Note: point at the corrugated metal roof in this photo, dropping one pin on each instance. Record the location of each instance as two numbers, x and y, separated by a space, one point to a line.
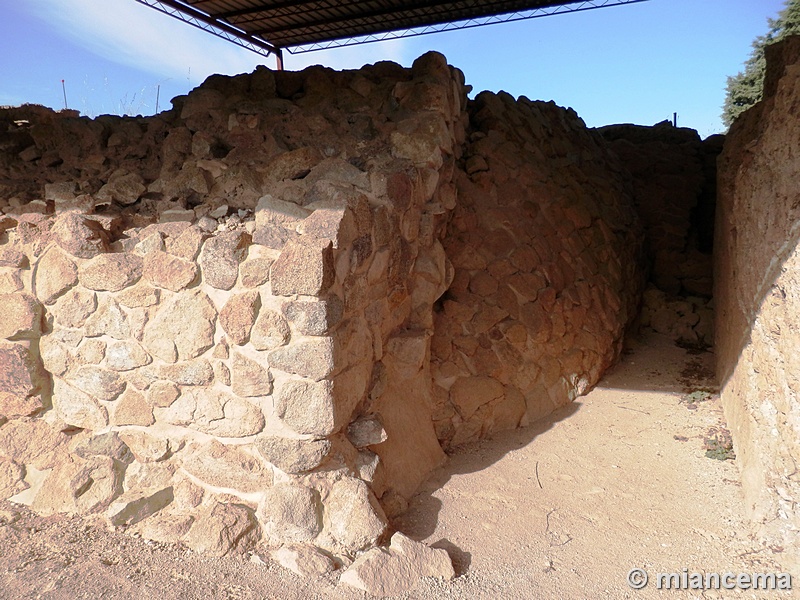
299 25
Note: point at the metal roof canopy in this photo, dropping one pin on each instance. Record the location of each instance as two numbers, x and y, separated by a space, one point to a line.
270 26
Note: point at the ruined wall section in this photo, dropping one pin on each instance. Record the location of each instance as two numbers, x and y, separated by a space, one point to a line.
673 173
215 315
546 247
757 291
258 317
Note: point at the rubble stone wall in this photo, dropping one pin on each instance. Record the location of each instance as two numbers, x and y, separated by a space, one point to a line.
218 322
546 247
757 291
674 177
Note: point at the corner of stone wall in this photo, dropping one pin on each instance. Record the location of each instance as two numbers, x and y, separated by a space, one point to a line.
220 317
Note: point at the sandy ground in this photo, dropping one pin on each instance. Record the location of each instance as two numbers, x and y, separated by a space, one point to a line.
563 509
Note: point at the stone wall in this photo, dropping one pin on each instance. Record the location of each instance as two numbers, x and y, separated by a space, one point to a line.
674 174
546 248
215 312
227 324
757 291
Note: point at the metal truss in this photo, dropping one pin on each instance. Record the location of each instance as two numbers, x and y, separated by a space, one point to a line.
227 31
222 29
522 15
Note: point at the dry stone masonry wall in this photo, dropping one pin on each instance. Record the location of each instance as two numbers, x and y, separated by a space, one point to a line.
257 317
674 175
546 249
757 290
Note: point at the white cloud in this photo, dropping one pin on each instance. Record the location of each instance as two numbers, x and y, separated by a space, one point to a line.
135 35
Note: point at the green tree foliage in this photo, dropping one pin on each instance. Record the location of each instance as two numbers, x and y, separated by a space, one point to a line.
745 88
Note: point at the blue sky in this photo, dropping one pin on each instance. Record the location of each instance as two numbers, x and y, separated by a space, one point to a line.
634 63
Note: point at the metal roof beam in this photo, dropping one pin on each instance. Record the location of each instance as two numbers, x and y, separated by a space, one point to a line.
407 9
243 12
465 23
206 22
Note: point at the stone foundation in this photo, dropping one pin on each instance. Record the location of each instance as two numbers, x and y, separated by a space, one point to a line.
256 318
757 291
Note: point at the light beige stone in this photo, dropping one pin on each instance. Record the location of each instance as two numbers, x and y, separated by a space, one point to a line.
249 378
222 373
353 518
139 296
152 243
170 272
214 412
292 455
238 316
145 446
182 329
77 408
366 431
105 444
12 477
310 357
305 560
98 382
111 272
91 351
397 569
54 274
10 281
314 318
109 319
221 256
132 409
162 393
73 308
290 513
134 506
272 211
306 406
22 316
226 466
164 527
124 356
222 529
79 486
191 372
270 331
15 442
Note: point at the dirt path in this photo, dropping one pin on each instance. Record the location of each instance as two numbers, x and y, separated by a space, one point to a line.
563 509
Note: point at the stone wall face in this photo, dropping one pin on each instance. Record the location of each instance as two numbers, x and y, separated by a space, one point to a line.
674 181
546 249
220 323
757 291
218 311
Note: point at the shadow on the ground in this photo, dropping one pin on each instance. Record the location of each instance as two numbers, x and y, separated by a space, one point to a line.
651 363
420 520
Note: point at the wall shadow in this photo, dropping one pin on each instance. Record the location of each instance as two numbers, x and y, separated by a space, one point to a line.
420 520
